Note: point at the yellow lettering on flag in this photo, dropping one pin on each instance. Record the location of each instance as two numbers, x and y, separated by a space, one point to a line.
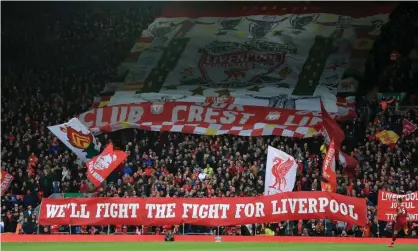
387 137
103 104
211 131
241 34
125 124
140 46
363 44
323 149
316 28
311 132
328 17
210 27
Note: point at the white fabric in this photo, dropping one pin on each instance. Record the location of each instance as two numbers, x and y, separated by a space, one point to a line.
284 184
60 132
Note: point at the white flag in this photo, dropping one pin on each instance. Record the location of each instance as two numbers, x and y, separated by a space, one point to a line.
281 171
78 138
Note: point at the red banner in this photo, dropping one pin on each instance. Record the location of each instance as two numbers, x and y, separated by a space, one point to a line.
204 118
207 212
6 180
331 129
329 183
387 204
100 167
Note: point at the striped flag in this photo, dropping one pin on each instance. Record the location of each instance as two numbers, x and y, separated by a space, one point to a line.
6 180
332 130
132 86
329 176
101 101
140 45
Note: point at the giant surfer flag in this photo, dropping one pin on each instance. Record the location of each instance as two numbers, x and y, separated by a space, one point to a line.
273 55
248 53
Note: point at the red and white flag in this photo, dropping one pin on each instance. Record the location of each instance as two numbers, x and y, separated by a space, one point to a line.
100 167
6 180
408 127
281 169
347 161
329 176
331 128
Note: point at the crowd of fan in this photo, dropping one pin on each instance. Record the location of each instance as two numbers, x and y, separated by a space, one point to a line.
58 62
393 62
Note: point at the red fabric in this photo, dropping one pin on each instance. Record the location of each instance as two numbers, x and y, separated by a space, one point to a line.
290 121
100 167
331 127
5 180
328 170
208 212
387 202
408 127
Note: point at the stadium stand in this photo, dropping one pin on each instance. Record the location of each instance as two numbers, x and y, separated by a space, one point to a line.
57 57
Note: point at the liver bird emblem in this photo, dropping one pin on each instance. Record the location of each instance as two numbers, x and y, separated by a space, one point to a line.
279 170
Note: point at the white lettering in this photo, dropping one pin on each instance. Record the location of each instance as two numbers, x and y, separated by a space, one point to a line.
323 202
117 210
229 117
302 204
205 211
259 209
333 205
59 211
292 204
351 212
135 114
208 116
176 110
195 114
312 205
245 117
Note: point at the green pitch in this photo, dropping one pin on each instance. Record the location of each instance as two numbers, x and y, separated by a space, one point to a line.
188 246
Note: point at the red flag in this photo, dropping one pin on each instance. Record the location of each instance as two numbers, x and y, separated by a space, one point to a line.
329 176
347 161
331 128
6 180
408 127
103 164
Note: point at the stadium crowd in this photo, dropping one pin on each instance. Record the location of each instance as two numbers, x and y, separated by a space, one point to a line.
58 61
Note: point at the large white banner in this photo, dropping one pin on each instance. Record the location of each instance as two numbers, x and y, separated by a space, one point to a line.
293 55
77 138
348 85
303 104
281 169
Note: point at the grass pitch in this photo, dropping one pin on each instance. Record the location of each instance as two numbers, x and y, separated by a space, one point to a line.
199 246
